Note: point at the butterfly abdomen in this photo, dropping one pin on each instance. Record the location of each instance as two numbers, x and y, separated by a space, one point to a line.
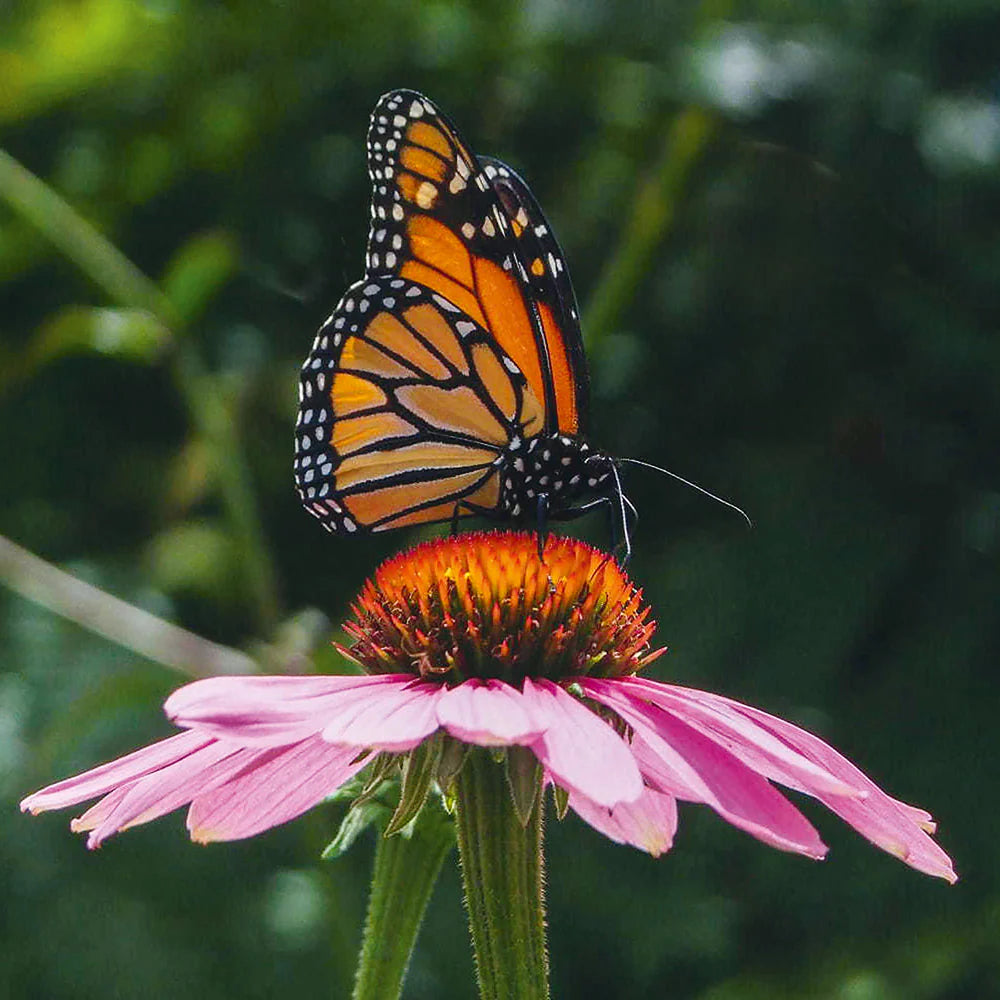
558 467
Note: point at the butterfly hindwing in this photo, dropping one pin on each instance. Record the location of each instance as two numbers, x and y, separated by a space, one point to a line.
406 406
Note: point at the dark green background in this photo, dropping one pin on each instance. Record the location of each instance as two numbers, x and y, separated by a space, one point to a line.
782 223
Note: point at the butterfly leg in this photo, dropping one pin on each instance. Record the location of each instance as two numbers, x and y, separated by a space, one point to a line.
470 508
618 507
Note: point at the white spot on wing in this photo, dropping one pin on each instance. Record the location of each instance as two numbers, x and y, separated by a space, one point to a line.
445 304
426 195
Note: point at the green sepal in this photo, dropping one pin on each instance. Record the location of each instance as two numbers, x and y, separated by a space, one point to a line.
419 770
375 780
524 778
359 817
560 798
453 755
381 779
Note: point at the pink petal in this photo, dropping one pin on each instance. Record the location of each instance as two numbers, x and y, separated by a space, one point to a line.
680 760
99 780
275 788
892 825
156 794
751 743
487 713
268 711
100 810
580 750
921 817
649 823
393 717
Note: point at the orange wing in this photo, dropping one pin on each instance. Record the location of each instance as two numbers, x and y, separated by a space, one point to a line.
438 219
544 273
406 406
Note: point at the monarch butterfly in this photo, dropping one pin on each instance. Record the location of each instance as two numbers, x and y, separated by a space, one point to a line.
451 380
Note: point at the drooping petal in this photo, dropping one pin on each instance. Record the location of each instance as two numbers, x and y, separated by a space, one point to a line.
680 760
579 749
100 810
160 792
783 752
888 823
649 823
488 713
238 790
394 716
100 780
268 711
751 743
277 787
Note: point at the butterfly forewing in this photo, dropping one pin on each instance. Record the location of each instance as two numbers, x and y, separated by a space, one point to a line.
437 220
545 275
406 407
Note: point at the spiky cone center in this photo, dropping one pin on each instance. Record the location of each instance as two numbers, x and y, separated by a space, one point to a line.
483 605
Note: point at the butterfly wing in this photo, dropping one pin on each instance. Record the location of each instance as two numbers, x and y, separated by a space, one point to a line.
438 219
543 270
406 405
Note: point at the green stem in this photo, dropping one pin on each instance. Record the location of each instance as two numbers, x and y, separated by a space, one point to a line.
502 869
406 868
653 213
202 395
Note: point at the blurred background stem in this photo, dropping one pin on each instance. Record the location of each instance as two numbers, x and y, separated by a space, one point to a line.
126 285
654 210
117 620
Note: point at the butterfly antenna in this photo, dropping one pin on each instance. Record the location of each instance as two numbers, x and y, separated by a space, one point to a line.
694 486
622 517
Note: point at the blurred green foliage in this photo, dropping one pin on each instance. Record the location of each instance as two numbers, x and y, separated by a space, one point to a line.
781 221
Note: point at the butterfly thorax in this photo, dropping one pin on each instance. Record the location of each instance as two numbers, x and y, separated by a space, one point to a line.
559 467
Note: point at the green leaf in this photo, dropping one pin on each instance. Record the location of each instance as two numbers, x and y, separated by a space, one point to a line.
359 817
198 270
127 334
419 772
383 780
194 557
